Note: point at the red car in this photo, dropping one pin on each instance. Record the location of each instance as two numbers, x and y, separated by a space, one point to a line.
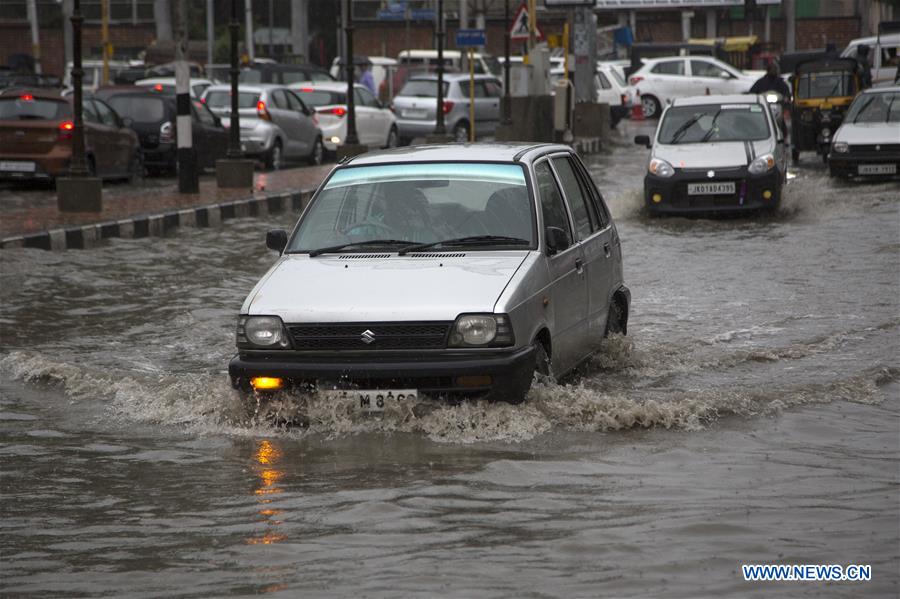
36 137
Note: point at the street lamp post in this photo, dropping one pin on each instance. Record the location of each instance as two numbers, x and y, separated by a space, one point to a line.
351 145
80 191
439 128
234 170
507 101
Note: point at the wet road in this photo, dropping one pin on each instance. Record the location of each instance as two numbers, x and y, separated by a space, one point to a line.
752 415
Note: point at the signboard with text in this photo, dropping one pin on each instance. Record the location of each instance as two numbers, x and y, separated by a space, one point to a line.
468 38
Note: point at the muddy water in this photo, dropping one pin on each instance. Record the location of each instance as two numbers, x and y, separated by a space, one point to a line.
752 415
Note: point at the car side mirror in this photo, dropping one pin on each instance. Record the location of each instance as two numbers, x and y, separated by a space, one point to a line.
127 121
276 239
642 140
557 240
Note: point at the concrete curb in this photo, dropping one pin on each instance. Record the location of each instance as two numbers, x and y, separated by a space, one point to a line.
153 225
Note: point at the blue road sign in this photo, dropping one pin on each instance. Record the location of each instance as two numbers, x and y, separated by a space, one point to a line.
466 38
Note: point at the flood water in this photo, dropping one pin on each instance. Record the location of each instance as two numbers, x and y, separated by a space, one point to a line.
752 415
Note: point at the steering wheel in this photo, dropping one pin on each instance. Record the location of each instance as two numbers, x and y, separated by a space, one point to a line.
349 231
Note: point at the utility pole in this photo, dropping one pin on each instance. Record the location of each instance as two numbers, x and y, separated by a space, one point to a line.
35 38
271 26
300 29
104 35
351 145
463 14
80 191
162 16
507 99
187 164
790 15
210 30
439 128
234 171
248 17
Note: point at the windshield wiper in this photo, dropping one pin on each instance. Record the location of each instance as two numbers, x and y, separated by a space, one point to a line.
712 125
863 108
344 246
887 118
684 127
470 240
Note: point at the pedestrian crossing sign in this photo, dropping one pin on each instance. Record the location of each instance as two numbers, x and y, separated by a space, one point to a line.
519 28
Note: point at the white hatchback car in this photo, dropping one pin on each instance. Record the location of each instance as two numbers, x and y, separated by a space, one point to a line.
661 80
868 141
376 125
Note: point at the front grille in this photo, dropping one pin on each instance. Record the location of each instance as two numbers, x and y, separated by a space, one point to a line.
870 148
384 335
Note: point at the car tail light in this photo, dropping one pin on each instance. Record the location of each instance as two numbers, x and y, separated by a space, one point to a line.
158 87
448 106
635 80
26 97
337 111
166 132
307 90
65 130
262 111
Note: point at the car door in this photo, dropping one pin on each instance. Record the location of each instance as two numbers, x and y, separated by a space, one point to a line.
379 120
307 125
491 103
568 278
106 146
210 138
666 80
706 75
288 121
365 123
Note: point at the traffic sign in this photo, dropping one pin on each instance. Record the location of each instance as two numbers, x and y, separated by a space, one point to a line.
466 38
519 28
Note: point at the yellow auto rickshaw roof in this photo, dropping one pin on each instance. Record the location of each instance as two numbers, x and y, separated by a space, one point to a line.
738 43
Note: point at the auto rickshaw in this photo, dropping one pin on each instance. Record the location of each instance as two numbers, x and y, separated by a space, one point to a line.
822 90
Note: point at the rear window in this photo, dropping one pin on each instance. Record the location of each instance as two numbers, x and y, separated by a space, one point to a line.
422 88
140 109
318 97
222 99
27 108
250 76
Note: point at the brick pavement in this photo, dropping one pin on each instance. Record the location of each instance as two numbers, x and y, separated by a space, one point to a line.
31 218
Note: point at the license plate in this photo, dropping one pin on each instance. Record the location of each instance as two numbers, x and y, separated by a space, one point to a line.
372 400
706 189
16 166
409 113
877 169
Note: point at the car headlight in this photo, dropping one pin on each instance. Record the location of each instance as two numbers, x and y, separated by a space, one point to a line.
660 168
762 164
481 330
261 331
773 98
841 147
826 132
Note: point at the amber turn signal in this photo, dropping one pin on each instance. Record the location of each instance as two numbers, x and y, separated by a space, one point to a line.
266 383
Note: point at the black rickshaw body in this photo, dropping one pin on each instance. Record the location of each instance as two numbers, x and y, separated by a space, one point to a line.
822 91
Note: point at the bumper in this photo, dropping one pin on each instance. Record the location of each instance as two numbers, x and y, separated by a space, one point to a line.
410 129
160 156
437 374
670 196
848 163
46 167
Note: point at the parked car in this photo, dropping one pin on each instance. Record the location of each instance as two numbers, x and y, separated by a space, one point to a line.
153 117
715 154
661 80
884 55
416 106
453 271
382 67
93 73
36 128
485 64
275 123
868 141
167 85
282 74
643 51
376 125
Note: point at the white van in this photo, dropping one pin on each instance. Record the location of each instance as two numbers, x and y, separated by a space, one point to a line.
484 63
884 55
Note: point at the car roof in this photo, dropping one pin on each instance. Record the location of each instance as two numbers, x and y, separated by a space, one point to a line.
330 86
723 99
37 92
881 90
462 152
152 80
246 87
451 76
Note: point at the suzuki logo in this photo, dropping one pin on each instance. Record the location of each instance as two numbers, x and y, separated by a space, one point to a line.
877 148
367 337
710 174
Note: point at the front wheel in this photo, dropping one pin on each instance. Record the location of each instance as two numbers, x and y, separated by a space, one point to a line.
393 139
615 320
461 132
650 105
275 156
318 152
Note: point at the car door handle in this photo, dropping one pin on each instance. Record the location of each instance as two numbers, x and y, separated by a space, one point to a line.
606 249
579 265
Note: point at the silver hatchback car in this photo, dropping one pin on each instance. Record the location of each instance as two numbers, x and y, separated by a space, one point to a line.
453 271
416 106
275 123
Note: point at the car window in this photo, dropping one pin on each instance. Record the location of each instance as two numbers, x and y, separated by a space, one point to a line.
422 88
552 207
480 92
199 88
618 77
877 107
604 82
319 97
295 103
26 107
583 212
419 202
668 67
320 76
222 99
701 68
90 113
203 113
107 116
366 97
250 76
597 205
139 108
493 89
278 99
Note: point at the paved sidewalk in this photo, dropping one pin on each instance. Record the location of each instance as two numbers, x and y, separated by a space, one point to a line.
31 218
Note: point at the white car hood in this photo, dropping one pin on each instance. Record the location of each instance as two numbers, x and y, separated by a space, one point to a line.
334 289
710 155
869 133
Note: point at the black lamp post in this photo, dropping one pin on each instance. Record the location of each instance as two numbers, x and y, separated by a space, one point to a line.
439 128
507 103
78 167
352 137
234 130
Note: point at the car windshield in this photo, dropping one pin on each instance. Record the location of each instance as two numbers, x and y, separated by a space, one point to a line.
883 107
222 99
321 97
140 109
713 122
418 203
422 88
27 107
618 77
825 84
